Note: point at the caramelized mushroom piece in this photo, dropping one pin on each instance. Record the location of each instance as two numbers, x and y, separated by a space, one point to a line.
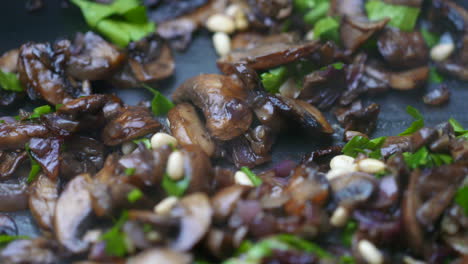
195 214
93 58
72 213
197 167
438 96
409 79
16 135
9 61
353 189
355 31
39 250
46 152
160 255
10 161
410 204
81 155
222 100
178 32
131 123
358 118
187 127
42 200
225 200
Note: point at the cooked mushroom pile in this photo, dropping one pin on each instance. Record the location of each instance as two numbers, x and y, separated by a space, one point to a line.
177 181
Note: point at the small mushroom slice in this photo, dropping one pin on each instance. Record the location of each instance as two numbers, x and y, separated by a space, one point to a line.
160 255
46 151
42 200
409 79
225 200
72 213
10 161
39 250
410 204
93 58
197 167
222 101
187 127
355 31
16 135
132 122
267 55
195 214
302 112
9 61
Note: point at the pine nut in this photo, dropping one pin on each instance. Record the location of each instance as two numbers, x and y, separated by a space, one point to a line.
339 217
175 165
369 252
242 179
337 173
162 139
442 51
233 10
410 260
165 206
222 43
310 35
220 23
342 162
240 20
128 147
371 165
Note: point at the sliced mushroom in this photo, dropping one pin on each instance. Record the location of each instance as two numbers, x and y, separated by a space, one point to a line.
410 205
197 167
409 79
178 32
93 58
358 118
10 161
195 214
187 127
42 200
7 226
39 250
222 101
132 122
14 194
81 155
225 200
16 135
46 152
72 213
353 189
160 255
355 31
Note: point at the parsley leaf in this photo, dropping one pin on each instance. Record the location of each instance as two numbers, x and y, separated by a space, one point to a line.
417 124
327 29
145 142
9 82
115 239
35 167
430 38
461 198
175 188
359 144
274 78
5 239
134 195
252 176
160 105
317 13
121 22
129 171
458 128
424 159
39 111
402 17
348 232
435 76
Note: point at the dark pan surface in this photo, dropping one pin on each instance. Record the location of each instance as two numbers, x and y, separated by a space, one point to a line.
17 26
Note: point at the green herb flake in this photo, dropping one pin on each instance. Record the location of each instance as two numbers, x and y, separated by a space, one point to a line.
160 105
134 195
58 106
402 17
2 121
129 171
348 232
327 29
115 239
461 198
430 38
252 176
35 167
9 82
417 124
122 21
347 260
458 128
274 78
39 111
359 144
317 13
175 188
435 76
145 141
6 239
424 159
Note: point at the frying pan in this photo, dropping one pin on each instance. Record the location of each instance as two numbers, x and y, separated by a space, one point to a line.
17 26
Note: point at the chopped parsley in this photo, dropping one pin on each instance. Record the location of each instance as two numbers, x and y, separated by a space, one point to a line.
424 159
461 198
252 176
39 111
359 144
435 76
115 238
402 17
458 128
10 82
348 232
35 167
175 188
129 171
274 78
5 239
430 38
134 195
417 124
327 28
145 142
160 104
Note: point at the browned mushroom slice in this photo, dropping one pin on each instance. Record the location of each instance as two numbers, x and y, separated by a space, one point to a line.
187 127
87 104
222 101
39 250
302 112
197 167
150 59
16 135
195 214
72 213
9 162
409 79
178 32
160 255
410 205
42 200
437 96
132 122
353 189
225 200
13 196
358 118
9 61
81 155
355 31
46 152
268 55
93 58
34 73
